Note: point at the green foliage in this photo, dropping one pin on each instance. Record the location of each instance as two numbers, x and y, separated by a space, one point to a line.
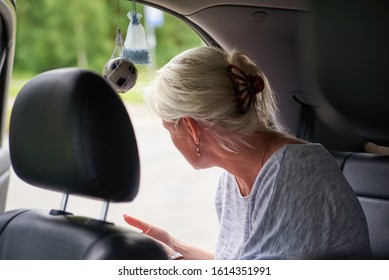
61 33
66 33
173 38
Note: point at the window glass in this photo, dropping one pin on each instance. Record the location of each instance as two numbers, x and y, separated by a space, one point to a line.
55 34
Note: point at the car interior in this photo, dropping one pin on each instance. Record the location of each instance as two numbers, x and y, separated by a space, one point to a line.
326 60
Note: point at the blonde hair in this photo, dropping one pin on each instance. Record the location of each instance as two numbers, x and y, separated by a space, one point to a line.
196 84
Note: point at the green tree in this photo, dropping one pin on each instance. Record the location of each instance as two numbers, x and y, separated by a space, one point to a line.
66 33
62 33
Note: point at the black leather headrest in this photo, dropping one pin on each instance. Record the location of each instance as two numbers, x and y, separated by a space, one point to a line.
351 45
70 132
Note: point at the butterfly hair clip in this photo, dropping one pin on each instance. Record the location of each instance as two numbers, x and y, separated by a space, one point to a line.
246 87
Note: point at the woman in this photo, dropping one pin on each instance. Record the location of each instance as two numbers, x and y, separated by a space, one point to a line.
279 197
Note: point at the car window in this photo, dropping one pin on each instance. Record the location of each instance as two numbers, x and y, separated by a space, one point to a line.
168 182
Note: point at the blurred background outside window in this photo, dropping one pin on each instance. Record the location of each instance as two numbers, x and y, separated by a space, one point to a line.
73 33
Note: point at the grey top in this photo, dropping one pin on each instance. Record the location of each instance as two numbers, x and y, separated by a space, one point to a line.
300 207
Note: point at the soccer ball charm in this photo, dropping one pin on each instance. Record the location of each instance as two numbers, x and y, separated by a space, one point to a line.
121 73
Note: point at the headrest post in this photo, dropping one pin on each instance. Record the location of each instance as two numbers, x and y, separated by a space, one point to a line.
64 202
104 211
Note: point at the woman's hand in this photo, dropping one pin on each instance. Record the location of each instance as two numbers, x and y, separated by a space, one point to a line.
159 235
169 243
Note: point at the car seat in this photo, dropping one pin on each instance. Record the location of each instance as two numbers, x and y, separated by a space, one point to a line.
70 133
350 45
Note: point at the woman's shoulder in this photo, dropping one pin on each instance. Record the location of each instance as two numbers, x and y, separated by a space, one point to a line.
307 151
301 158
304 147
310 162
289 145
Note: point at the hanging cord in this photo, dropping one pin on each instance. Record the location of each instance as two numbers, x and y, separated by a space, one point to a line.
118 14
119 38
134 17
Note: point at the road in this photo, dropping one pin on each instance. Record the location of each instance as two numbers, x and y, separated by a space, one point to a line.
172 194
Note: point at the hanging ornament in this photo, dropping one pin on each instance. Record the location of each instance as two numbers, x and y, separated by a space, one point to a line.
119 71
135 47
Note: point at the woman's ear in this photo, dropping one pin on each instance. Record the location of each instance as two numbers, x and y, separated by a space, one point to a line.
192 128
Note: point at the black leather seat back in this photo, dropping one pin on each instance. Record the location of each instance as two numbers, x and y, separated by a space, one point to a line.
49 235
70 132
368 175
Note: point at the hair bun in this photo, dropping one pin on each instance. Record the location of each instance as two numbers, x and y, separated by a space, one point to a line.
255 84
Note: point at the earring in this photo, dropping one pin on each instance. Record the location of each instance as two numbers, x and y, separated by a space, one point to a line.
198 152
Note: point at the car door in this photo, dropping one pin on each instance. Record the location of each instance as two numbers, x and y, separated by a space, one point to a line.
7 45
